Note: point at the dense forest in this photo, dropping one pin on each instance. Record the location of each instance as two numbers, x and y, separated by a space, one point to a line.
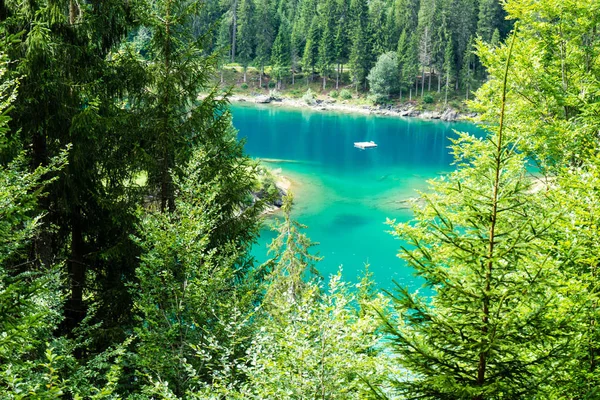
127 206
432 40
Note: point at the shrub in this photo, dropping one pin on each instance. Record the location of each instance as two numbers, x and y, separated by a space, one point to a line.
428 99
334 94
274 94
244 86
309 97
272 84
345 94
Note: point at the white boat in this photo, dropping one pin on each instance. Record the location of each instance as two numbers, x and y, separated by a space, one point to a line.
365 145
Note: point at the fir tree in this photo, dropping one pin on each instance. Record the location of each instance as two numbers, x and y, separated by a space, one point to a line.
281 54
326 53
246 33
359 44
311 49
495 325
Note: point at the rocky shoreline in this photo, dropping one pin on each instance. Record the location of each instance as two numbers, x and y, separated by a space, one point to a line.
405 110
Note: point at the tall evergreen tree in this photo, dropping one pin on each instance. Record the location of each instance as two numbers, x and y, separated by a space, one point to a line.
70 93
495 325
265 35
448 66
311 49
281 54
327 40
359 43
246 33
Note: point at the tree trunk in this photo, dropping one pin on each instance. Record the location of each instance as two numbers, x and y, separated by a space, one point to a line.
439 79
76 268
234 30
422 81
410 95
429 83
324 82
337 77
260 75
447 83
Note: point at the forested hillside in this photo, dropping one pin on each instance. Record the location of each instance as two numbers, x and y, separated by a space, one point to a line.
128 207
433 40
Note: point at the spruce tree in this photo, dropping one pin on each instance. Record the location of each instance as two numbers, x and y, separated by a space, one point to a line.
448 66
265 35
326 53
359 43
246 33
281 54
495 324
311 49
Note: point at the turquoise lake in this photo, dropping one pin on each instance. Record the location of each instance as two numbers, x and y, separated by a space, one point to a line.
343 194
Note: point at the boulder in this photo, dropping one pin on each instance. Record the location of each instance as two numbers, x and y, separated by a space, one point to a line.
262 99
449 115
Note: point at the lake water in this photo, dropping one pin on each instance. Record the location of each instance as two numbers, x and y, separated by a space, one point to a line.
343 194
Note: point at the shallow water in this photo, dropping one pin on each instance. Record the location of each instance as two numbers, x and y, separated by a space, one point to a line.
345 194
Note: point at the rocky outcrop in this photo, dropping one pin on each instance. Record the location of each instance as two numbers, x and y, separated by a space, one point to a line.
262 99
450 114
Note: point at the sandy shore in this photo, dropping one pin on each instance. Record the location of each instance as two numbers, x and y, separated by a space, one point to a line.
406 110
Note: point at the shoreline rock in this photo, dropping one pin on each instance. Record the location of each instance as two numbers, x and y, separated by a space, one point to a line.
407 110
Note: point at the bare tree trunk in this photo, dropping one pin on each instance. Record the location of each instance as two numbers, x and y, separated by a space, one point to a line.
423 81
410 95
447 83
337 77
324 81
234 30
439 78
73 11
245 70
429 84
260 76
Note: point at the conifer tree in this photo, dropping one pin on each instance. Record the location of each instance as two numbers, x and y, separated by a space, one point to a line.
359 43
246 33
70 93
311 49
281 54
495 325
326 54
448 65
265 35
490 18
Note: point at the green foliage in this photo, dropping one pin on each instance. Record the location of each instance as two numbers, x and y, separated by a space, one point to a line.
309 97
323 345
345 94
497 324
334 94
383 79
428 99
191 287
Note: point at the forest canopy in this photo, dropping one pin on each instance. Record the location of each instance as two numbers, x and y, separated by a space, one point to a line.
128 207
